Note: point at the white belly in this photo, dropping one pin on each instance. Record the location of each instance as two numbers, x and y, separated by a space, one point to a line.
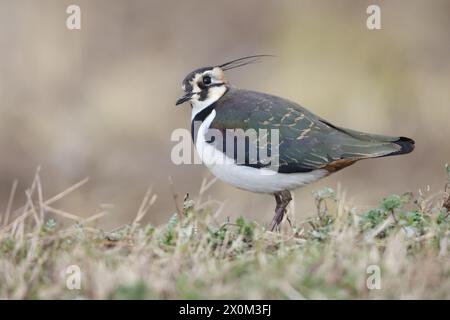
248 178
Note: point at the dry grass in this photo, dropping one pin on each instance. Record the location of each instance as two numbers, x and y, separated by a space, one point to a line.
196 256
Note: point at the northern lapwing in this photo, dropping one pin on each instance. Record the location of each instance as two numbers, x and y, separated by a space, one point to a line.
308 146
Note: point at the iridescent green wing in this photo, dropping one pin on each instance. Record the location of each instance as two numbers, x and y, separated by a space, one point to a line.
306 142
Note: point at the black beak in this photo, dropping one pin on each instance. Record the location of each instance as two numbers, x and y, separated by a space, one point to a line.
184 98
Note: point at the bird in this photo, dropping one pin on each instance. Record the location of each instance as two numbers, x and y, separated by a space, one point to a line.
308 148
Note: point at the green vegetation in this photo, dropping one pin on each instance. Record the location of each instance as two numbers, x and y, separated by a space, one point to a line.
194 256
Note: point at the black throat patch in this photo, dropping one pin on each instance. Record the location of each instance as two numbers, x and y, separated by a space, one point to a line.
199 118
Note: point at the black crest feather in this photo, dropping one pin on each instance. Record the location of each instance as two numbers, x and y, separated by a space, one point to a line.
242 61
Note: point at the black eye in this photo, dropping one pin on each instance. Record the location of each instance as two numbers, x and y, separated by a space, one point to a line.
206 80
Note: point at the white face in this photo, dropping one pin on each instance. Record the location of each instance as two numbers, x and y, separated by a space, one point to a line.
207 88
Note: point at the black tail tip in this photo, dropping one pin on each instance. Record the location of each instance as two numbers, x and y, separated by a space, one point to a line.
406 144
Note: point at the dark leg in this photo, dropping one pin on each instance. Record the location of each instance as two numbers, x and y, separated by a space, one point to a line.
282 199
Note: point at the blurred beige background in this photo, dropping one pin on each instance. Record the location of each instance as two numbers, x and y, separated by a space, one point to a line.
99 102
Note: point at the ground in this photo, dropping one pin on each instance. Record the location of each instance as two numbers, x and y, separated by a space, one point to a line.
397 250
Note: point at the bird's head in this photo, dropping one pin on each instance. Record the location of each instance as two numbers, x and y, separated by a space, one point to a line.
203 86
206 85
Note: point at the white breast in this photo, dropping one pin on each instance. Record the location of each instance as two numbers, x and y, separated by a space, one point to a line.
248 178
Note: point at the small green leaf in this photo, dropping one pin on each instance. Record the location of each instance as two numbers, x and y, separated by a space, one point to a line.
245 228
113 236
50 225
325 193
173 221
391 203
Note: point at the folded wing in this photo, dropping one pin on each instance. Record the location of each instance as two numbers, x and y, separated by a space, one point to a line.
307 142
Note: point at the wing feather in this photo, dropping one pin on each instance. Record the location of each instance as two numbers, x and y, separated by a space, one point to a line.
307 142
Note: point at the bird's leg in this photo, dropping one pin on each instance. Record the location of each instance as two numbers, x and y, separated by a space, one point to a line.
278 199
282 199
277 211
